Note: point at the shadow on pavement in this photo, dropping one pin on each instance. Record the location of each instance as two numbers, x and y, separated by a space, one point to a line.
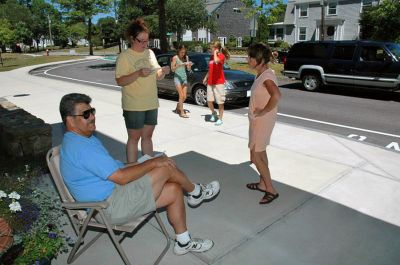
299 228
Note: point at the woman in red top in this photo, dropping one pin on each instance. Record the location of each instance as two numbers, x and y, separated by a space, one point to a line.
215 80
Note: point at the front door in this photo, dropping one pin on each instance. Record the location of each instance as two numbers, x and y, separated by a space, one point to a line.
330 32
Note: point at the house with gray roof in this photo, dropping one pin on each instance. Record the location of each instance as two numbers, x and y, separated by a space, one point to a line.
230 18
303 20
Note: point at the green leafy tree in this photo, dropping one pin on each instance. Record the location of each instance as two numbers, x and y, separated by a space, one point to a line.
77 10
267 12
23 34
381 22
77 32
61 34
44 17
15 12
7 35
185 15
106 30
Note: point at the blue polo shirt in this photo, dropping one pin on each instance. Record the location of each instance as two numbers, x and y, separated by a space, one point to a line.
85 165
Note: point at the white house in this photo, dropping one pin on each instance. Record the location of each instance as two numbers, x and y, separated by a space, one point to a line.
303 20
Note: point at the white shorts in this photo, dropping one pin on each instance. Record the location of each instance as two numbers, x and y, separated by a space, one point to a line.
216 93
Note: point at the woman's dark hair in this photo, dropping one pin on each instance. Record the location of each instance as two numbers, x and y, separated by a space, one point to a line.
68 102
135 27
180 47
261 52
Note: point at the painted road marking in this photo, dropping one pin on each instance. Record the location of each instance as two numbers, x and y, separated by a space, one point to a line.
393 145
339 125
360 137
74 79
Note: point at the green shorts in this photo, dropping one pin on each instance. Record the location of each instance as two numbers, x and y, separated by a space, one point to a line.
130 201
138 119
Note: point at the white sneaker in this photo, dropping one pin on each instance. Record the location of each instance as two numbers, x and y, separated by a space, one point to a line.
207 193
194 245
218 122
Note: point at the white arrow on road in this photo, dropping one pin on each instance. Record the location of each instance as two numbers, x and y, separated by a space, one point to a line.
361 137
394 145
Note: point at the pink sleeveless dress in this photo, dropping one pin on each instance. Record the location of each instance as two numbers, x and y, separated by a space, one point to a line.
260 128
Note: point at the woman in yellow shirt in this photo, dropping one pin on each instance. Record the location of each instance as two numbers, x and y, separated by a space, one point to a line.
137 71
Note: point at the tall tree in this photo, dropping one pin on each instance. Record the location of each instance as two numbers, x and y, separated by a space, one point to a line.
267 12
184 15
162 22
85 11
381 22
23 34
44 15
106 27
14 12
7 35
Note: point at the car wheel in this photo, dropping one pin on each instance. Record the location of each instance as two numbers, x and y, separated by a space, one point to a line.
311 82
200 95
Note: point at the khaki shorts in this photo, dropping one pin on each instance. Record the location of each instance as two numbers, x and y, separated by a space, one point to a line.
130 201
216 93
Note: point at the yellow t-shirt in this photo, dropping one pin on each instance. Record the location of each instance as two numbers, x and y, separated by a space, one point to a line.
141 94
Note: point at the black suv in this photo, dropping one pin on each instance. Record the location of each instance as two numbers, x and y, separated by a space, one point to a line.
368 64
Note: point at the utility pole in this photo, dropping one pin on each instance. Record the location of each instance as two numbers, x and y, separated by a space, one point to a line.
116 24
51 40
322 31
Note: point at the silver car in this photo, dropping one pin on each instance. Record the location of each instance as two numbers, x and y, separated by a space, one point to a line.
238 83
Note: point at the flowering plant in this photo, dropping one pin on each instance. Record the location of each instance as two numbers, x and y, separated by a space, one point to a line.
31 207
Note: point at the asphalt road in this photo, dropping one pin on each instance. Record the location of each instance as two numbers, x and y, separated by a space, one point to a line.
363 115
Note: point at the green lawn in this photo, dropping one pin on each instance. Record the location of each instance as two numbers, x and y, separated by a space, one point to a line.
17 60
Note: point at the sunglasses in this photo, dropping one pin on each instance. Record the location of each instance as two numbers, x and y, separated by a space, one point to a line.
142 41
86 113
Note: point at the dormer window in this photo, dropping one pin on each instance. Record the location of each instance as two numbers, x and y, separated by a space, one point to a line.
332 8
303 11
365 4
237 10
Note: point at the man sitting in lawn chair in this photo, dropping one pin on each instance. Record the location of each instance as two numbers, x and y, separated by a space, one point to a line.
91 174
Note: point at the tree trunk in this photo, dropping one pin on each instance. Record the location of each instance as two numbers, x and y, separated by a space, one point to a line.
90 36
162 25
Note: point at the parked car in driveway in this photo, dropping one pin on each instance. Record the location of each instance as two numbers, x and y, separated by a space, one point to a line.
238 83
369 64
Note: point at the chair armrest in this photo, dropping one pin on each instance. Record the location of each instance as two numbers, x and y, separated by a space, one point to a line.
85 205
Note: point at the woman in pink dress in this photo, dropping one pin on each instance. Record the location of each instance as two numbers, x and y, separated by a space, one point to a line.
263 108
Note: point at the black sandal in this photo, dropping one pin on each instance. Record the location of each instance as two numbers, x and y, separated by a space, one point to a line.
268 197
254 186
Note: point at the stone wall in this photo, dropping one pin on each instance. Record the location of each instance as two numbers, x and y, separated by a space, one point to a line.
21 133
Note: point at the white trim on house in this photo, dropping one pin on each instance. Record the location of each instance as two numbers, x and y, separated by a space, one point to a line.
301 34
307 10
328 8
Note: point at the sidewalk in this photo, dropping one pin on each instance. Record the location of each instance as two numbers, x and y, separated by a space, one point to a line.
339 199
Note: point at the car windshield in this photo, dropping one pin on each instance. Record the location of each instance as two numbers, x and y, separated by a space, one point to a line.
395 50
200 63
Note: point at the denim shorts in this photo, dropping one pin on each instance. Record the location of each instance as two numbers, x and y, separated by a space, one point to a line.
138 119
180 81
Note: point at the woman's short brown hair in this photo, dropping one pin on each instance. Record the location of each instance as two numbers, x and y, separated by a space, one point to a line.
260 51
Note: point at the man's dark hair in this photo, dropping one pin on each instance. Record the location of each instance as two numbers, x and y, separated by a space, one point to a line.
68 102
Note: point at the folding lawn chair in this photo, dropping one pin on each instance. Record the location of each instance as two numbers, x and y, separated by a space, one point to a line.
82 216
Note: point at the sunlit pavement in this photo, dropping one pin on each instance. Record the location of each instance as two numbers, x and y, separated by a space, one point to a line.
339 199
